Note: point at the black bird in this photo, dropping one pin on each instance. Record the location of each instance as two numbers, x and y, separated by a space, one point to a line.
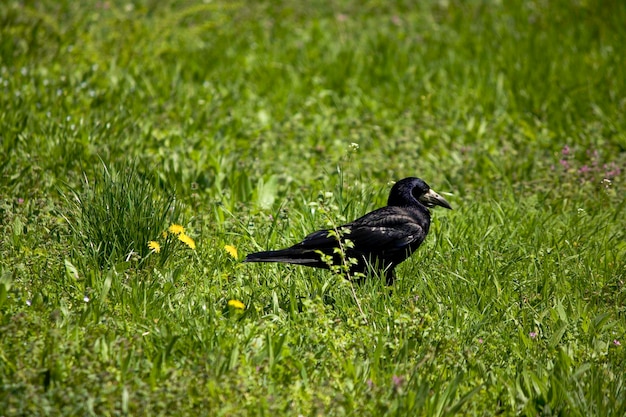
382 238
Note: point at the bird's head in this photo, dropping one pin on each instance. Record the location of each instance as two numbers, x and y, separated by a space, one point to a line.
407 190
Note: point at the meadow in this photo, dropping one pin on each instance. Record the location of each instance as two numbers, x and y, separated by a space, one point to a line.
148 146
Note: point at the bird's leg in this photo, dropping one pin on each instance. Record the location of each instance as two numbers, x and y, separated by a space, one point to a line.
390 275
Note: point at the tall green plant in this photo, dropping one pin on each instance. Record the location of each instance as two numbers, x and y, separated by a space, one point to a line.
114 216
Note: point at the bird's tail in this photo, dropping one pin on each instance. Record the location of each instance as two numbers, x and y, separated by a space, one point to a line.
288 256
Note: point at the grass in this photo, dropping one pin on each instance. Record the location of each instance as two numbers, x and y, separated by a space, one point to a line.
253 123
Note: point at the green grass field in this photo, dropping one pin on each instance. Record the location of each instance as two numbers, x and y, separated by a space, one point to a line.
253 123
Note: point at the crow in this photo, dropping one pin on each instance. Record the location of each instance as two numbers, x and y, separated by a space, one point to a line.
381 239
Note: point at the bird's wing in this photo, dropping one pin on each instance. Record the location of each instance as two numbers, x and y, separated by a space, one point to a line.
388 233
386 229
318 240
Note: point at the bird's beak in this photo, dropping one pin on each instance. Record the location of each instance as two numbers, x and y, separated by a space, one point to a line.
431 199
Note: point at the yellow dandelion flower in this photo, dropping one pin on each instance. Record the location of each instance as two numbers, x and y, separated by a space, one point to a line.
154 246
176 229
164 234
187 240
231 250
236 304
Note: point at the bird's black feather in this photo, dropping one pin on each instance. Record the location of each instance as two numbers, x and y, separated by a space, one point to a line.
382 238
